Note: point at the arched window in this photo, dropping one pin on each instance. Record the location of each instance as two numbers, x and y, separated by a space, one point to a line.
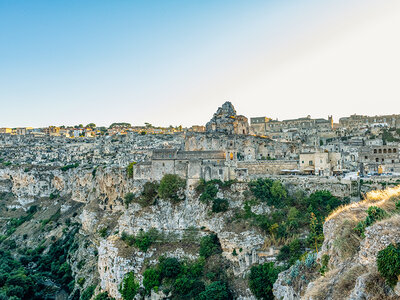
380 150
374 150
394 150
389 150
384 150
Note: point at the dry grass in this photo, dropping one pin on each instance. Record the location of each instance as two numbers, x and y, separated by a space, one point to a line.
347 281
321 287
376 287
384 199
347 241
269 242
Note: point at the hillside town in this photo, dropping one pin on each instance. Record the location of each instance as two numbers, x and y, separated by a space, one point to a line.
227 147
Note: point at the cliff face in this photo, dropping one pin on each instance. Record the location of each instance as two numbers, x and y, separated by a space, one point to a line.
351 259
93 198
99 195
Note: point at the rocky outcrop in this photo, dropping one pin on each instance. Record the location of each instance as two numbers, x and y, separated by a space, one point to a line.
225 120
351 270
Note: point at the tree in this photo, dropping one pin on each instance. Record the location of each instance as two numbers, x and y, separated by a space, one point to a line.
262 279
169 187
151 279
209 245
129 286
217 290
388 262
91 125
278 192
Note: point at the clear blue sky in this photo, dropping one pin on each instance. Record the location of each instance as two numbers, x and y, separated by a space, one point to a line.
174 62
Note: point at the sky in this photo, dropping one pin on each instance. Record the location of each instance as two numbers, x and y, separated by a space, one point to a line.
174 62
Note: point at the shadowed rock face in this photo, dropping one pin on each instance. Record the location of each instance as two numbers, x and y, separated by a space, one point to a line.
225 120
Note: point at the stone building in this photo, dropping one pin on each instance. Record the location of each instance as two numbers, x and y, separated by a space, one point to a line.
267 126
225 120
379 159
357 121
191 165
320 163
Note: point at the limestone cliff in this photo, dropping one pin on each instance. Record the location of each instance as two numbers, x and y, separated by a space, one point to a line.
351 269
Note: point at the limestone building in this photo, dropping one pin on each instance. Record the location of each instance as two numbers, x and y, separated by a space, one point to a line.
225 120
320 163
379 159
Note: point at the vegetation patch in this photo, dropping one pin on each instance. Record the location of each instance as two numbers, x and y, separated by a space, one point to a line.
374 214
203 278
143 240
388 262
171 188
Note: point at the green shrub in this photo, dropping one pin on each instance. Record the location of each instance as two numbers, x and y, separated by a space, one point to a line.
324 264
128 198
151 279
291 252
209 192
220 205
398 205
170 267
81 281
217 290
169 187
88 293
209 245
103 232
128 238
145 239
129 169
374 214
129 286
187 288
388 262
262 279
67 167
149 193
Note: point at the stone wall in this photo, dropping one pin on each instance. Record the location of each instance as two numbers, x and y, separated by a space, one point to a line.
264 167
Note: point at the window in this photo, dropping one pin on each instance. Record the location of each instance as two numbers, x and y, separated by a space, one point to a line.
377 159
374 150
394 150
366 157
302 161
392 161
310 162
383 159
380 150
220 171
389 150
384 150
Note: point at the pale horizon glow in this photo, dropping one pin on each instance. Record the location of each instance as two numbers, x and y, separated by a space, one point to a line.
174 62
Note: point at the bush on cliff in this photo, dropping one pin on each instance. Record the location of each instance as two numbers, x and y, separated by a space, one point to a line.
103 296
209 245
129 169
170 186
220 205
374 214
388 262
129 286
143 240
149 193
262 279
217 290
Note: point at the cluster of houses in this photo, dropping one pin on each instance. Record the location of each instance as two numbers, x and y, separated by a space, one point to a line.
227 147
